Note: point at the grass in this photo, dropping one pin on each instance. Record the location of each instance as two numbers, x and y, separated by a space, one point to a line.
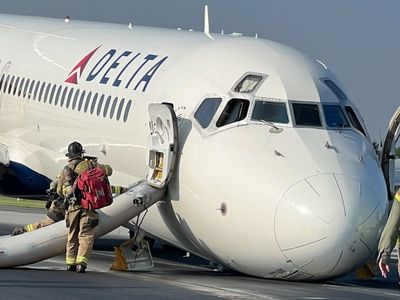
18 202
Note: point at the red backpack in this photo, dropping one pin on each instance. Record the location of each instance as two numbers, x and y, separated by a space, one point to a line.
95 188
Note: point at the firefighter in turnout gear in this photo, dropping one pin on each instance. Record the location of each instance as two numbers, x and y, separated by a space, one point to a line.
389 236
80 221
56 207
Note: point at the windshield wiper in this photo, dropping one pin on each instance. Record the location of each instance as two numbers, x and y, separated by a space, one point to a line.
277 129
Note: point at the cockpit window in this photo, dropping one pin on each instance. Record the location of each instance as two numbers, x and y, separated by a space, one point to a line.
205 113
270 112
335 89
248 84
236 110
354 120
306 115
334 116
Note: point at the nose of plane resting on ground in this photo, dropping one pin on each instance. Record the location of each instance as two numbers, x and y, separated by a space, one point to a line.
328 224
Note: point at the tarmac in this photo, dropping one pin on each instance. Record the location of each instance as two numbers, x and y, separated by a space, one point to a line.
174 276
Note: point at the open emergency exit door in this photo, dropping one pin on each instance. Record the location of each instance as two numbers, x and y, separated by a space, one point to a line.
388 155
135 254
163 143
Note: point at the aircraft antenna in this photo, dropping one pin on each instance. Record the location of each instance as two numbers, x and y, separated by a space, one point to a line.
207 23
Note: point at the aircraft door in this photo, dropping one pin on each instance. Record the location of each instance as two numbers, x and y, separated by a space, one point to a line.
163 144
388 152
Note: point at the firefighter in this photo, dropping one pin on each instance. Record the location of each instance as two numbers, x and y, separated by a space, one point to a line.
55 212
56 209
80 221
389 236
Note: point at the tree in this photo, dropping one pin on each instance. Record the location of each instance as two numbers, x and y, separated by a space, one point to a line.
397 152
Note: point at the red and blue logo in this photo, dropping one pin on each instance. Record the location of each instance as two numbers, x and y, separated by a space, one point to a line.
128 69
78 69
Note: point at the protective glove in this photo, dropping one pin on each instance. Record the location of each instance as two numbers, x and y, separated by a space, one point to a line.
48 204
51 192
64 205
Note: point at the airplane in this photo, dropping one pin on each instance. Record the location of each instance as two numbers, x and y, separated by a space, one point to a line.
269 171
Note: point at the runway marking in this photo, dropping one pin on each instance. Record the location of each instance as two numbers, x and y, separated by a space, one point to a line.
354 287
391 294
205 287
221 292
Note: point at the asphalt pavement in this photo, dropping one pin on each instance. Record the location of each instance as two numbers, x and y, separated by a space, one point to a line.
174 276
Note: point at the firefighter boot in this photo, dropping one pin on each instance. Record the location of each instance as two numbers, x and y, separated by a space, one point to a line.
80 268
71 268
18 230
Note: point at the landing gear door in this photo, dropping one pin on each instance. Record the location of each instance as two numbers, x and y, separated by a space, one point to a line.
163 144
388 155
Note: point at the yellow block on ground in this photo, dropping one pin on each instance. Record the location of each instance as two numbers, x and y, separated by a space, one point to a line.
119 263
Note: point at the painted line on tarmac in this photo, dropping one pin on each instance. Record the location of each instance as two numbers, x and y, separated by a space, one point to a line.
221 292
357 288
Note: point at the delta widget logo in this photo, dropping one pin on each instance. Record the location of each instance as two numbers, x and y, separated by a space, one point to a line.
78 69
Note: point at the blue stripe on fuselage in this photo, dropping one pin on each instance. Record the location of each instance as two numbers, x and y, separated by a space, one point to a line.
19 180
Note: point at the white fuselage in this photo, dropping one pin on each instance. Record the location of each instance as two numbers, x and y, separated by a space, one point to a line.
305 202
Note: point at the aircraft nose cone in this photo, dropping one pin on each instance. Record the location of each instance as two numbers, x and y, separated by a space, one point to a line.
328 224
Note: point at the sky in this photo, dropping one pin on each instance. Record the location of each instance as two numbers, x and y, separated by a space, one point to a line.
358 40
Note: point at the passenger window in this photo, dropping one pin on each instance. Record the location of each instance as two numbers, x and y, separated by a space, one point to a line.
53 91
121 105
57 95
113 107
46 94
100 105
16 86
6 83
10 85
127 109
31 89
21 86
87 102
306 115
93 103
81 100
206 111
71 91
75 99
41 91
106 106
248 84
334 116
1 81
26 87
64 95
35 93
270 112
234 111
335 89
354 120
